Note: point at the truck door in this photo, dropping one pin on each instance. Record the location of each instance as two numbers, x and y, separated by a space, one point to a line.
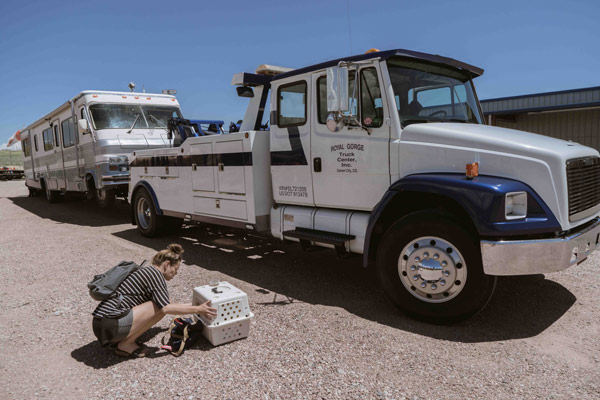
290 142
59 161
350 168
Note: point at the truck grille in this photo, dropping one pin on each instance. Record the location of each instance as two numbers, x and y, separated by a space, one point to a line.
583 178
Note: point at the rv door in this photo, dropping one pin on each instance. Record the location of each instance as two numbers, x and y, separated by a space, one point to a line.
59 161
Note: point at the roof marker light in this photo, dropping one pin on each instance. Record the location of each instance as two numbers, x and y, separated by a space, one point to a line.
172 99
124 97
148 98
472 170
137 97
372 50
95 95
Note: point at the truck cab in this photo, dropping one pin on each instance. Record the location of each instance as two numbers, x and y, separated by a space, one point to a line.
386 154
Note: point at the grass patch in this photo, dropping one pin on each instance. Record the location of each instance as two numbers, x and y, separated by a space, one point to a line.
11 157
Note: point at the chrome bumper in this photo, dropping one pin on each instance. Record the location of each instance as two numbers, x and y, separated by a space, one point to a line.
526 257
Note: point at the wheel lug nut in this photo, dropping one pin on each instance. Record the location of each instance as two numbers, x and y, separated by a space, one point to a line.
444 263
413 268
434 286
442 282
416 278
436 256
423 285
446 273
425 254
417 259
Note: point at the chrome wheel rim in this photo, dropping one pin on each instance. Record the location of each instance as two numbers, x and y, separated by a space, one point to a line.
432 269
143 213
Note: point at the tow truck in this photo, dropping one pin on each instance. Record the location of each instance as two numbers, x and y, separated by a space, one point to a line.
387 155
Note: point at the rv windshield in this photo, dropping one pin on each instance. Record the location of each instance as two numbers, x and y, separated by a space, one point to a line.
159 116
123 116
427 92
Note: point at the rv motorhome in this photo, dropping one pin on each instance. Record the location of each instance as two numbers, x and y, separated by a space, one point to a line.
84 145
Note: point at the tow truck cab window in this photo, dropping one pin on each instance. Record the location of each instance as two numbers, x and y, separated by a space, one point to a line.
370 98
47 137
26 147
68 133
291 104
35 143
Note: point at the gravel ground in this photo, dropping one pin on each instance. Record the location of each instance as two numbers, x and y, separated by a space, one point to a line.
321 329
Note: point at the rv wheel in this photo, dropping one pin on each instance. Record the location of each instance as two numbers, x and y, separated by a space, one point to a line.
105 198
430 267
51 195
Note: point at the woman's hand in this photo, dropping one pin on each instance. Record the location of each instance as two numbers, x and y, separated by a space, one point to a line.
206 310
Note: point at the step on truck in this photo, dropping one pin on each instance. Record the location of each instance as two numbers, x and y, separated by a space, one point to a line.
386 155
84 145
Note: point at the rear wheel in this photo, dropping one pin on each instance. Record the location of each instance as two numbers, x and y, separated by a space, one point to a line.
430 267
51 195
146 218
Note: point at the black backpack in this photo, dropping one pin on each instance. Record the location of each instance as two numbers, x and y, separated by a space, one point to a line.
103 286
184 334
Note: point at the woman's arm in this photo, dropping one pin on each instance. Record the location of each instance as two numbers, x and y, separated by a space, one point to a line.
203 309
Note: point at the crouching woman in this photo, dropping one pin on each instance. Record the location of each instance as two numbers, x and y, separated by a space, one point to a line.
141 301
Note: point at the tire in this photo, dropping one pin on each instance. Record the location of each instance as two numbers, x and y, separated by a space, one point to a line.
51 195
430 267
146 219
105 198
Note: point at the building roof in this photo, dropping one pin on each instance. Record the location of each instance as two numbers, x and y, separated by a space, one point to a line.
548 101
384 55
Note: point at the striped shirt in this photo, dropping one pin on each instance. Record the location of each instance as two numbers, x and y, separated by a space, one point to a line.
145 284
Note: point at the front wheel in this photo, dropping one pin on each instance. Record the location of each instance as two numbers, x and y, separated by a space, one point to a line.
431 268
105 198
146 218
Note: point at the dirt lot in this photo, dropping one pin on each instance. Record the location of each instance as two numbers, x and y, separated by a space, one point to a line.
322 329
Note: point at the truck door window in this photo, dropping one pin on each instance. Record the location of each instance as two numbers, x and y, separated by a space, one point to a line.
26 147
47 137
322 98
370 98
68 133
291 105
35 143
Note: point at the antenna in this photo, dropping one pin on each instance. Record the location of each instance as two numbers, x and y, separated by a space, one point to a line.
349 27
131 86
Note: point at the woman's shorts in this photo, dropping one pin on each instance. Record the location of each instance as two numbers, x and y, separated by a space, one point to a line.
112 330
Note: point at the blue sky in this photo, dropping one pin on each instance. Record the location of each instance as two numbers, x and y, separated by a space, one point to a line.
50 51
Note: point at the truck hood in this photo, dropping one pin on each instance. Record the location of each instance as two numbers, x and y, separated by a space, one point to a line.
536 160
492 138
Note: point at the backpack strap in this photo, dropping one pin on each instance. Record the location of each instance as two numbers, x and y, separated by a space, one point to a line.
183 340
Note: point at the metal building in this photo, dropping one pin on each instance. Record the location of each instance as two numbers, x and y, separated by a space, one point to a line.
568 114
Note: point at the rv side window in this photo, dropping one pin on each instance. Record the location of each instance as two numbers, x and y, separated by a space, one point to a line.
291 105
82 116
47 137
26 147
56 135
68 133
35 143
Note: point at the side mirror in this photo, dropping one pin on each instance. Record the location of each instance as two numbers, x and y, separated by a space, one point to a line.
244 91
337 89
83 126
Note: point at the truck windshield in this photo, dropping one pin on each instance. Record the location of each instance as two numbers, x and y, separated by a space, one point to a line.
427 92
123 116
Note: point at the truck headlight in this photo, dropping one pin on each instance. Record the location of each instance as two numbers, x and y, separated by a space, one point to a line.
113 160
515 205
123 160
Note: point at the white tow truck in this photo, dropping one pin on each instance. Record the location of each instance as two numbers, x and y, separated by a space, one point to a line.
387 155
